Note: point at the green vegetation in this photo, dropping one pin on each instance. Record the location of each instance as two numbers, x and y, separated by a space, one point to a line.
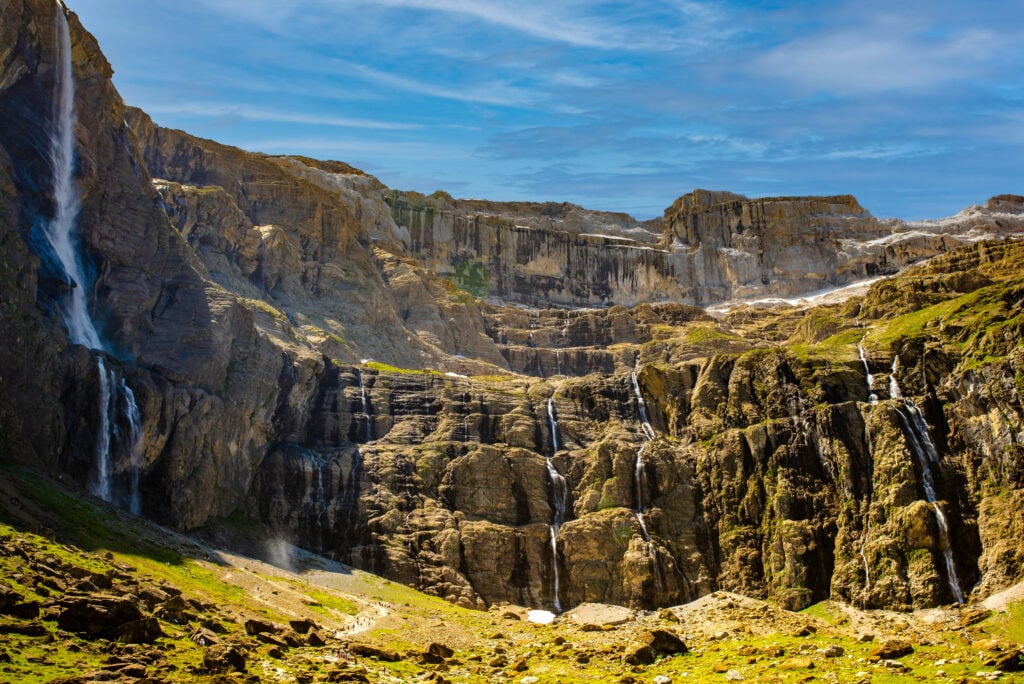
385 368
708 334
472 277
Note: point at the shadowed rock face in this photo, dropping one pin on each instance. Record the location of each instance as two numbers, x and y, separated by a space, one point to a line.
242 297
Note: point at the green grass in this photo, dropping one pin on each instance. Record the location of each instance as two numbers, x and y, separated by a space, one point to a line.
1008 625
708 334
385 368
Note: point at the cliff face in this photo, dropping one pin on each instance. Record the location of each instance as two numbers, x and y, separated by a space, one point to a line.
710 247
241 298
770 473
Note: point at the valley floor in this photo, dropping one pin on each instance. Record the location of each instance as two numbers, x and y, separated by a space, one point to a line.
91 594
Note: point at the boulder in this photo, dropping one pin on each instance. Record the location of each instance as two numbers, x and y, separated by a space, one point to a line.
223 658
144 631
97 614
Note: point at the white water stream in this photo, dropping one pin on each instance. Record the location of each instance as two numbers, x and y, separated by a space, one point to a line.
116 400
920 442
643 487
60 230
366 407
872 397
560 495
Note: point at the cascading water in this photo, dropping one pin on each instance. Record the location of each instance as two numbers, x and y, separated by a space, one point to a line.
560 495
116 400
921 444
60 230
639 470
643 487
134 446
117 403
101 485
868 443
366 408
872 397
894 386
645 423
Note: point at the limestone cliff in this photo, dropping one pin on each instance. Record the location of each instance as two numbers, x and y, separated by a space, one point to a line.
353 368
711 247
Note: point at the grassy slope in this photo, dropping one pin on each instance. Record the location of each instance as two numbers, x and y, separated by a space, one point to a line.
724 632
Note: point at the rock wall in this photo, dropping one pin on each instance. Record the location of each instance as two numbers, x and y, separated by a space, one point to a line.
712 247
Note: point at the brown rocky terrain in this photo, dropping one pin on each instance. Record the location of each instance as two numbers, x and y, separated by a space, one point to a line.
403 382
90 594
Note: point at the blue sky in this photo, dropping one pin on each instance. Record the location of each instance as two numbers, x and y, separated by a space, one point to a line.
917 108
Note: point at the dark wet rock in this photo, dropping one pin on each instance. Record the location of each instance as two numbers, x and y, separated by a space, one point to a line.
97 614
1011 661
436 653
254 626
144 631
224 658
370 651
302 626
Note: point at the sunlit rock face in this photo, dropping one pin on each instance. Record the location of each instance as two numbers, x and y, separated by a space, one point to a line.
380 376
709 247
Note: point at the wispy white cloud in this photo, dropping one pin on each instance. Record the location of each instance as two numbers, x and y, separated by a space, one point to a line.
272 115
873 59
534 19
494 93
875 152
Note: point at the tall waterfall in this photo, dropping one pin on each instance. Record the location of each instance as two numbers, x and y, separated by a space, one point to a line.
920 442
643 486
60 230
560 495
116 405
643 489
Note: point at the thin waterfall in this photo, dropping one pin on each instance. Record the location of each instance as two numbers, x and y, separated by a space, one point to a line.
117 405
320 503
872 397
60 230
553 424
643 487
560 495
867 516
645 423
921 444
134 446
101 484
366 407
639 470
894 386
